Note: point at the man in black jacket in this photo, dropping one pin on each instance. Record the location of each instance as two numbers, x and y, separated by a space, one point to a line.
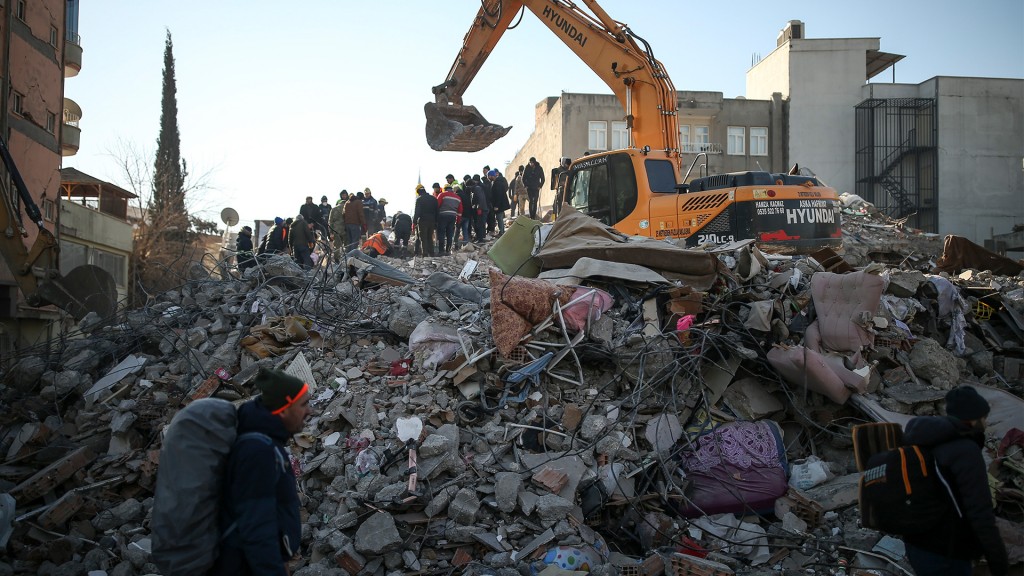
260 520
559 176
956 441
243 250
533 179
302 238
401 225
499 199
309 211
425 219
483 208
465 193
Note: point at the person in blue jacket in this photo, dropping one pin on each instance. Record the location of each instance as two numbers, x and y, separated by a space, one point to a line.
260 525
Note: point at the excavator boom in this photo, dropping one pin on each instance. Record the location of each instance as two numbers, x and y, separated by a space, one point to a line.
608 47
85 289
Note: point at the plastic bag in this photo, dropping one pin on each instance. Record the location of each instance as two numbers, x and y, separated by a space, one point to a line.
809 473
434 343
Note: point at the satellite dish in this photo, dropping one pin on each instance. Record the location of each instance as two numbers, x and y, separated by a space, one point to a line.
229 216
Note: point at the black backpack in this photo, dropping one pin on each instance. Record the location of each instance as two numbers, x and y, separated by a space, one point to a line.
902 492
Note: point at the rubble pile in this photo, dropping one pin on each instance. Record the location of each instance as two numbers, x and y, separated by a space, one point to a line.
637 409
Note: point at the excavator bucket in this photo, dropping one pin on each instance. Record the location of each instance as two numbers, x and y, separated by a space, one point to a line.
84 289
452 128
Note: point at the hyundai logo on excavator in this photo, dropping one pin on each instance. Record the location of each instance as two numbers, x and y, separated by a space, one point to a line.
564 25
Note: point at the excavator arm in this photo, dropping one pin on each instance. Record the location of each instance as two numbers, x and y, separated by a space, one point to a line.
608 47
36 270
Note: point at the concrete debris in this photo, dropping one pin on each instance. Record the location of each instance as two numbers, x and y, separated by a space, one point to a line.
587 444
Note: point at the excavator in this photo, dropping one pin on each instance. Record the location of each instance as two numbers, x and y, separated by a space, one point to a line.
84 289
642 189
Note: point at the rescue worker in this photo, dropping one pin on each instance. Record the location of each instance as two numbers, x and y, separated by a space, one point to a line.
302 237
449 207
559 176
336 224
533 178
376 245
261 498
483 207
370 211
425 219
277 238
956 441
325 217
243 250
465 194
521 192
401 225
355 221
499 198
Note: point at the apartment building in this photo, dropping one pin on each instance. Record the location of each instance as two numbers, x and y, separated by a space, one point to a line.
36 54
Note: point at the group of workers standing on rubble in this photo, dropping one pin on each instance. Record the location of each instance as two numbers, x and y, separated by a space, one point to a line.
446 217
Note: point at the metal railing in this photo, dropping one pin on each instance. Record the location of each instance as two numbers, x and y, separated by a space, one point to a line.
697 148
70 118
73 37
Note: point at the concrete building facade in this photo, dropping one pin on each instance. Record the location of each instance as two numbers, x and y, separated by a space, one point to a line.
945 154
956 159
34 59
94 226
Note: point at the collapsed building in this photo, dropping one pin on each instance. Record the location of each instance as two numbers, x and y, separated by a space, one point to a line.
589 402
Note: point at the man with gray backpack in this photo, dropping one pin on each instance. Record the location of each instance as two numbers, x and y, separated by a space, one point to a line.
226 498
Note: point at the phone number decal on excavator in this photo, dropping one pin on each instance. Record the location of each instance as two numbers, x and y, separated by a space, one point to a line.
672 232
767 208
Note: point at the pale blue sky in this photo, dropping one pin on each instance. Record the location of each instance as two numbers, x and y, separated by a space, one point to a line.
280 100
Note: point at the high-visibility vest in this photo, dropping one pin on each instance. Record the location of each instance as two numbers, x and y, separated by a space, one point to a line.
377 242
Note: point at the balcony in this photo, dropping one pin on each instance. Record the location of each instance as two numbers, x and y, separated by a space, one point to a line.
70 133
697 148
72 55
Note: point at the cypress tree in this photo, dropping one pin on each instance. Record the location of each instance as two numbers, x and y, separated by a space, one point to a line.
169 169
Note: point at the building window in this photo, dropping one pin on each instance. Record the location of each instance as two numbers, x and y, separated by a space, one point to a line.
72 255
112 263
16 103
597 135
54 36
702 138
758 141
49 210
51 122
684 138
736 143
20 10
620 136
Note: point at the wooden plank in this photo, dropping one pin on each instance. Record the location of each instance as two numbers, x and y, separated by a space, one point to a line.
62 510
52 476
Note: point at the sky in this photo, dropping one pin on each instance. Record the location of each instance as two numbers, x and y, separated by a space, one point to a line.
282 100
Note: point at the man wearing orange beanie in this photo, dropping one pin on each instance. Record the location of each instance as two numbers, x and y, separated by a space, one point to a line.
260 525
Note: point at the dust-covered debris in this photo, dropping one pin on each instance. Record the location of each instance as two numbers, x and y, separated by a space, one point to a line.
584 425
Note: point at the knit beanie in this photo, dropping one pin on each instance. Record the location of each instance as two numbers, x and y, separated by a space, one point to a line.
279 390
965 403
